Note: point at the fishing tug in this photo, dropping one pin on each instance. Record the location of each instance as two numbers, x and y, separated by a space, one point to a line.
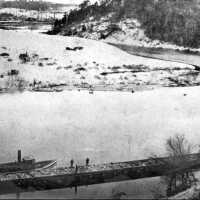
25 164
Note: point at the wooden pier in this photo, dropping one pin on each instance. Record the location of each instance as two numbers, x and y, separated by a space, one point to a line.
64 177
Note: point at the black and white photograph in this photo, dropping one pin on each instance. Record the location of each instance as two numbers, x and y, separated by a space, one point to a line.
100 99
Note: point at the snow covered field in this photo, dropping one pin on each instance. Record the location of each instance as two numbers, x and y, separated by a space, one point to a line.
96 63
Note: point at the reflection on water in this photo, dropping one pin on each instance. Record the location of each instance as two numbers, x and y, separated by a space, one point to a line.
143 188
150 188
179 182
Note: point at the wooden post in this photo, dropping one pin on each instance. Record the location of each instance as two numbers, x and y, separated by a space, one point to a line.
19 156
175 182
76 190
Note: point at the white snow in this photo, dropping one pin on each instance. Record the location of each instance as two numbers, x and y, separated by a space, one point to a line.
93 50
95 56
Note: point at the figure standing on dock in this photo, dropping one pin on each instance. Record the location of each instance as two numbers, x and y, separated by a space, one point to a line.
71 163
87 161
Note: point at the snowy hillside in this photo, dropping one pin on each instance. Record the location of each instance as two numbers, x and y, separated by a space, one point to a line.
128 32
167 24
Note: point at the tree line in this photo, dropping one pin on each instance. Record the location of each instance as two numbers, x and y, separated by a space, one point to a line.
175 21
29 5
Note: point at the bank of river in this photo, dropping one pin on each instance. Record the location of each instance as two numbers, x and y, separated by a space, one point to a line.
187 56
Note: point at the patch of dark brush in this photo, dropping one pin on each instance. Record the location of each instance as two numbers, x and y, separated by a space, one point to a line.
4 54
137 68
120 72
116 68
35 56
85 64
196 67
73 49
177 83
68 67
13 72
190 73
59 68
9 60
40 64
97 77
51 64
171 69
80 69
44 59
24 57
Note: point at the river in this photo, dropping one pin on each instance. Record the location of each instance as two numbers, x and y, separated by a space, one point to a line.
104 126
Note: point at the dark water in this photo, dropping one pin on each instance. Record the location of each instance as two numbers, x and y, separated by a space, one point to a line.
143 188
188 57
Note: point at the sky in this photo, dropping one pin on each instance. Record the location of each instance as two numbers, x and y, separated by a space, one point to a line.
69 1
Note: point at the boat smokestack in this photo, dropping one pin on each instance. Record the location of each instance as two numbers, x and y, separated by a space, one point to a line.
19 156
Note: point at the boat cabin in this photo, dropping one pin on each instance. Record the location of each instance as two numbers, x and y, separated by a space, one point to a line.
28 160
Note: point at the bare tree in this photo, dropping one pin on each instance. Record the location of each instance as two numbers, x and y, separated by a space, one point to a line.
177 178
177 147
